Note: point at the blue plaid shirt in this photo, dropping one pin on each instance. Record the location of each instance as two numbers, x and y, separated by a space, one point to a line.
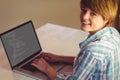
98 58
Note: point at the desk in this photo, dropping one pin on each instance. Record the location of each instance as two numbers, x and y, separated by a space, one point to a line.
53 38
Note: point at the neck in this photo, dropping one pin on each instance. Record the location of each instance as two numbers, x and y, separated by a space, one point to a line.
91 33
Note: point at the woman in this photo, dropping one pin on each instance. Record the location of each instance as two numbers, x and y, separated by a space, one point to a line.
99 55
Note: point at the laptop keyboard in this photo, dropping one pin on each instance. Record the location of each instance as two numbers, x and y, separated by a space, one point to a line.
29 67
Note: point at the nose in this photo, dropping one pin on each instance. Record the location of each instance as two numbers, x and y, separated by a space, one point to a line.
86 16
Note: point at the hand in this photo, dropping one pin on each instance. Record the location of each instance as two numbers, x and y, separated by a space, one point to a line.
49 57
43 66
40 64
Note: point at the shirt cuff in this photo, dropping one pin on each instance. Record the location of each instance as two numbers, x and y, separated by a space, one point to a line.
61 77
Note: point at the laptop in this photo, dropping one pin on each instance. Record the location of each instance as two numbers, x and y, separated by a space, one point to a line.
22 46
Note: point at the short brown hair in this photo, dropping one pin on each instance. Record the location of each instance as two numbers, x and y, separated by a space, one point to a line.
117 21
106 8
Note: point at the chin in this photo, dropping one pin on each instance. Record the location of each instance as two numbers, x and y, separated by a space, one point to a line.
83 28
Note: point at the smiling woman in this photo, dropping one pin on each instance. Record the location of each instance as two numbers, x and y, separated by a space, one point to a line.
90 21
100 15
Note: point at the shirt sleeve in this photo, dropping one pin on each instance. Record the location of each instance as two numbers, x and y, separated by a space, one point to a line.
84 68
65 77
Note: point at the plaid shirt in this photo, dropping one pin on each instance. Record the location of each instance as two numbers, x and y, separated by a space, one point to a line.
98 58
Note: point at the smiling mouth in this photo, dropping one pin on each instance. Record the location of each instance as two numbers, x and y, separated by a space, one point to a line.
86 23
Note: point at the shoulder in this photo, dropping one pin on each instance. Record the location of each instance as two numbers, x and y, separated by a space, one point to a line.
107 41
100 46
99 50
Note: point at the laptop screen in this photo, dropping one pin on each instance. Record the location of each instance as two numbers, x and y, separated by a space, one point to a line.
20 43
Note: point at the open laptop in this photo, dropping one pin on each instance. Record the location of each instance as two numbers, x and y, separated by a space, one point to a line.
22 46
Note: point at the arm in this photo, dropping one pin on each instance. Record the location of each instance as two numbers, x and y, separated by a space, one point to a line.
51 73
83 70
66 59
92 64
50 57
86 66
43 66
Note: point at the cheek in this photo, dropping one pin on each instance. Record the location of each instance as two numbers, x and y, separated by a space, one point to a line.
98 23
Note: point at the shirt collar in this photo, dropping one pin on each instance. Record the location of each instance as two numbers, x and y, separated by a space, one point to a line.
98 35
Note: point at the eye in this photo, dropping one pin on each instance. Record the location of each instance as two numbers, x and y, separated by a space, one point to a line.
83 10
93 14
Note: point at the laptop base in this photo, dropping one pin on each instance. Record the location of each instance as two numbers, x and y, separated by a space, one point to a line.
33 72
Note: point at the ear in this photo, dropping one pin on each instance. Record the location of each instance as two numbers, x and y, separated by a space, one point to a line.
106 21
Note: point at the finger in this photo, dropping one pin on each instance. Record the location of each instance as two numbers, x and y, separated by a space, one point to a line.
35 60
34 64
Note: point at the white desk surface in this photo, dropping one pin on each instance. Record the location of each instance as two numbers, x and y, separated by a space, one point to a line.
53 38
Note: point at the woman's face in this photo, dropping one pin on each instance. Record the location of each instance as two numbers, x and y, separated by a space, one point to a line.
91 21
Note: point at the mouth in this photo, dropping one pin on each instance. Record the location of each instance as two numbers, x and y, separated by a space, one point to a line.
86 23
